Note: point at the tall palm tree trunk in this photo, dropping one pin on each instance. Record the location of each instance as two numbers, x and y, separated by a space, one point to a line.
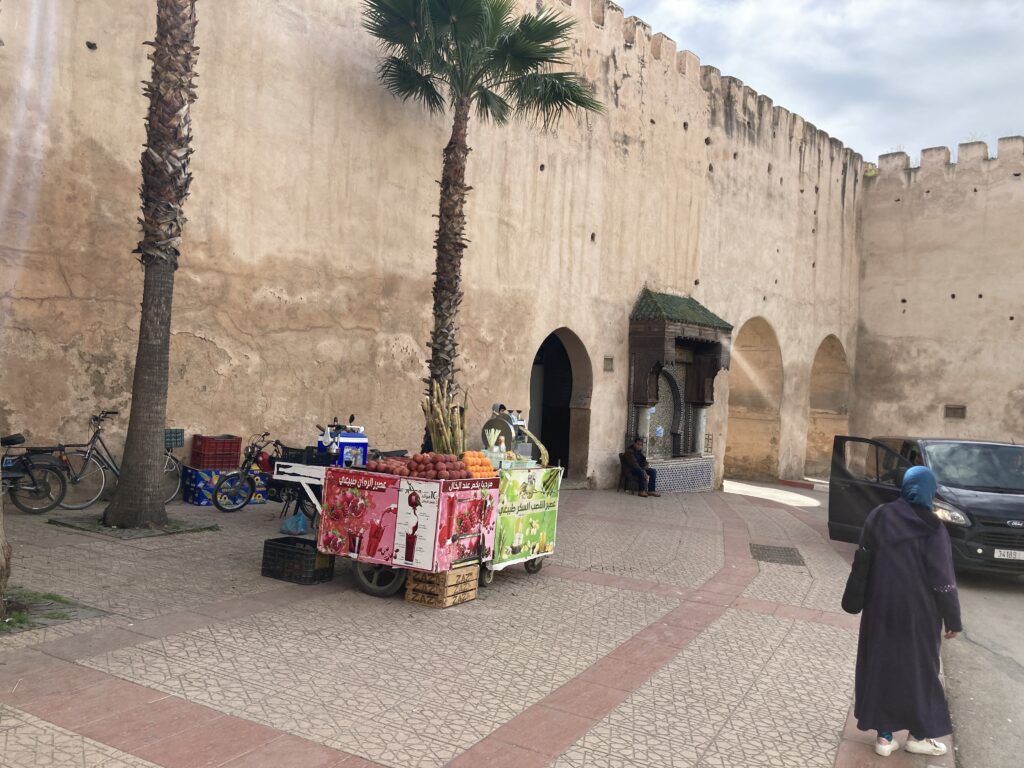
449 244
165 181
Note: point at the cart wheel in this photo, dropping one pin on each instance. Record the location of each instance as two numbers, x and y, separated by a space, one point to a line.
379 580
534 566
486 576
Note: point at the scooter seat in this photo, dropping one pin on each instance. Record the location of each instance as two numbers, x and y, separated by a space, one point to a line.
16 439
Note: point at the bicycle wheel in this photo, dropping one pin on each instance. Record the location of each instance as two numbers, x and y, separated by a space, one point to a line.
233 492
44 493
171 480
86 480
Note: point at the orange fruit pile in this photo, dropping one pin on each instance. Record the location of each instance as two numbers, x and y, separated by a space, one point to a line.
478 464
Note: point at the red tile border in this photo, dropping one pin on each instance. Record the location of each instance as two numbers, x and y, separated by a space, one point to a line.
208 745
154 721
107 697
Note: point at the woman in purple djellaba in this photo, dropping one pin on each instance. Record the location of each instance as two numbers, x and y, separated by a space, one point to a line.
911 594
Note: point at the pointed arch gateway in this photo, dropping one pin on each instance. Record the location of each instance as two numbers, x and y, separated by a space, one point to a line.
829 405
561 384
755 402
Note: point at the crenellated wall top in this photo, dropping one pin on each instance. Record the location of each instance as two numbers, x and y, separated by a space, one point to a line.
973 155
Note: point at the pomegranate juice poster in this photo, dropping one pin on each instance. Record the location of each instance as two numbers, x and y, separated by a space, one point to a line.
360 511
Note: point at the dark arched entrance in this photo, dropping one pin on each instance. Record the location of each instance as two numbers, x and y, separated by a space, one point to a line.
560 387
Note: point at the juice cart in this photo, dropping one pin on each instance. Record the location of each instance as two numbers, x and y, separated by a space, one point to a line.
527 518
389 524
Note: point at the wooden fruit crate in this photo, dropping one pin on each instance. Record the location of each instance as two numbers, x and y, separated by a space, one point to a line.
443 590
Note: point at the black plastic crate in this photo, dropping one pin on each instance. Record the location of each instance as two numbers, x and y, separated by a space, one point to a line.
294 559
292 455
316 459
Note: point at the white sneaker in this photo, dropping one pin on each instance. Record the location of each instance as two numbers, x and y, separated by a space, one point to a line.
886 748
925 747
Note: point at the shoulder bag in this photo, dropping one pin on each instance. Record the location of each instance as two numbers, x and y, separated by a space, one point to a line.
857 582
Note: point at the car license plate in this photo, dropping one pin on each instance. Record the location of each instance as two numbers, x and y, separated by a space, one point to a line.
1009 554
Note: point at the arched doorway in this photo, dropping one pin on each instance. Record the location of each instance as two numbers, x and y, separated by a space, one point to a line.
829 405
560 388
755 397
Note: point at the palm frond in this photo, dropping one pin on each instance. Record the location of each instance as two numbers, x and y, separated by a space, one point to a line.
397 24
545 96
462 20
409 83
491 106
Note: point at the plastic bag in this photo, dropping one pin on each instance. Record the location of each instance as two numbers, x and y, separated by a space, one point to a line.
296 525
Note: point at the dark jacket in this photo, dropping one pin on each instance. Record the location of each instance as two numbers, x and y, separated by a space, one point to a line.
635 458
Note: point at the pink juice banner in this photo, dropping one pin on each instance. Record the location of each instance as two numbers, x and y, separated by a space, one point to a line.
466 521
360 511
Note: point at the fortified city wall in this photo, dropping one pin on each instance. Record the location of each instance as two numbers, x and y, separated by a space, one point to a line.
304 286
941 311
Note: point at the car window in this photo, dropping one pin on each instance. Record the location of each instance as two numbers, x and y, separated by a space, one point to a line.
978 466
871 462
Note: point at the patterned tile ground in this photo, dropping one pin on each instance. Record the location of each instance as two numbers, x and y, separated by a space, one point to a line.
28 742
405 686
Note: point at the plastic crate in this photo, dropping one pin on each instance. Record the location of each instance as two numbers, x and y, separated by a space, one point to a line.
314 458
216 451
294 559
292 455
174 438
197 486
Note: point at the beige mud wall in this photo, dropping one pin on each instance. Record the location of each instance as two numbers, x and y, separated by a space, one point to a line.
304 286
778 242
929 234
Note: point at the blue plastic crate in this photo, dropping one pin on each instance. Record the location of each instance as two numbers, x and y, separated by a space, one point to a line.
197 485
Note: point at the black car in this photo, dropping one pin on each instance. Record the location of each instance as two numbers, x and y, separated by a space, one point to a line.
980 496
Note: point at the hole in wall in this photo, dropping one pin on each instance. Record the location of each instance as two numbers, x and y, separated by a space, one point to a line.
1011 318
90 45
711 168
697 281
593 237
814 212
542 166
707 140
1017 175
686 126
814 264
952 295
980 296
904 311
927 191
764 298
814 230
773 134
780 181
735 155
776 281
652 121
898 199
801 191
975 189
769 167
903 301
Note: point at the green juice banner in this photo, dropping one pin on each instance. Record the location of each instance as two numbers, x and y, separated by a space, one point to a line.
527 514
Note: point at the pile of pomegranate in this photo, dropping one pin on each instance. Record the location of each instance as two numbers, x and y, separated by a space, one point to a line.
427 466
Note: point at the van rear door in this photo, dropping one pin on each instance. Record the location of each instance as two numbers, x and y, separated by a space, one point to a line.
864 474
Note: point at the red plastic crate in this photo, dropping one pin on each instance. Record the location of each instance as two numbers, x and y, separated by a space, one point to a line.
216 451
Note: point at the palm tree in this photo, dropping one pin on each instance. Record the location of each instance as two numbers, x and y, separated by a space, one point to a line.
471 56
138 500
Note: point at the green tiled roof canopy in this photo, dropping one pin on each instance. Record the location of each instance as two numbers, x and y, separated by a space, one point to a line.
675 309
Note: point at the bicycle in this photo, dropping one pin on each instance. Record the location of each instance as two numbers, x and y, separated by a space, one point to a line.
86 464
34 487
235 489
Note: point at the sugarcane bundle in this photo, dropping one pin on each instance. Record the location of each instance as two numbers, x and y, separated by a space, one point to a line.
446 419
540 446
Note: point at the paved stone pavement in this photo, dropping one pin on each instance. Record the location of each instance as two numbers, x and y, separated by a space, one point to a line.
651 638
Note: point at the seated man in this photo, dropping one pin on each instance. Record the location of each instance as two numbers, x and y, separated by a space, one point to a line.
646 477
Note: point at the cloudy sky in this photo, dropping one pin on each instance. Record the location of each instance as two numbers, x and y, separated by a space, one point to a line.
880 75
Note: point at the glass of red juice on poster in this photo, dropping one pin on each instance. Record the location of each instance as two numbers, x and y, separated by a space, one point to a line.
376 533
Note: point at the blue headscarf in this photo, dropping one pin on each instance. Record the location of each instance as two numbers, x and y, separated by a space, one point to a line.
919 486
